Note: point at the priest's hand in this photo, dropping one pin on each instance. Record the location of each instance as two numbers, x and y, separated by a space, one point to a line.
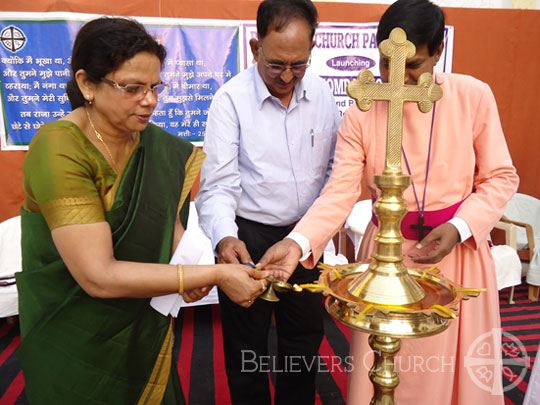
195 294
435 246
281 259
232 250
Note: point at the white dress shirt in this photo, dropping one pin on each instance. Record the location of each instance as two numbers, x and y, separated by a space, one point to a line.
265 162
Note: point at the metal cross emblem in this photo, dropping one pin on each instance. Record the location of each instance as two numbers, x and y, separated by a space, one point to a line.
396 92
421 228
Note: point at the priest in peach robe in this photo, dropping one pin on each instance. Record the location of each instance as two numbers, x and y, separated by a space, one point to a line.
463 177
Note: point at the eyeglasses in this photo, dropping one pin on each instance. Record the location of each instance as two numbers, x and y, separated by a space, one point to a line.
277 69
137 91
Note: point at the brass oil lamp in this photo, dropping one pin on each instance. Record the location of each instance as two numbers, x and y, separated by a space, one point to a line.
383 297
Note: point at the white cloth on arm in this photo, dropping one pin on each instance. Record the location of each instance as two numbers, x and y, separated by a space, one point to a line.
194 248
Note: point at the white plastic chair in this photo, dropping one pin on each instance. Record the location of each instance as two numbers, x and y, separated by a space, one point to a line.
10 263
524 212
507 263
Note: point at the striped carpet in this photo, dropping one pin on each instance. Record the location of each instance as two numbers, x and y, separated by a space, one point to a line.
520 337
198 343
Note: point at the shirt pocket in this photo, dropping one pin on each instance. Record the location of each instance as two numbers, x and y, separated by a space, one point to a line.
321 151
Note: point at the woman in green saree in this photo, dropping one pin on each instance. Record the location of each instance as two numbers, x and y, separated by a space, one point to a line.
106 203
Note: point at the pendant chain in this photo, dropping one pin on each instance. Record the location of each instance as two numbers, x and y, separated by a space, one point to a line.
100 138
422 208
420 226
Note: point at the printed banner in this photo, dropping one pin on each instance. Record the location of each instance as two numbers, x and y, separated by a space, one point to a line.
35 68
342 50
202 55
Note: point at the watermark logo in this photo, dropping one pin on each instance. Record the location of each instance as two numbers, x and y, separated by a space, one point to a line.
482 361
416 363
12 38
252 363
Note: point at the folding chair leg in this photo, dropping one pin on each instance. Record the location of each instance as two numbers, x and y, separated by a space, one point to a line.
511 297
534 290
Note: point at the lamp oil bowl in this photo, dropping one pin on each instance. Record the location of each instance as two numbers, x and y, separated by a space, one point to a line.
429 316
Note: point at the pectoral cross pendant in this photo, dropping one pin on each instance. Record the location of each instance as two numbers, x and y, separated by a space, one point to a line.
421 228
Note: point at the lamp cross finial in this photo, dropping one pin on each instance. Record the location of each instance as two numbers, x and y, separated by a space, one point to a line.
396 92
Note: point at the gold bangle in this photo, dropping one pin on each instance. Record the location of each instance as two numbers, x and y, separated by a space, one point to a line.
180 279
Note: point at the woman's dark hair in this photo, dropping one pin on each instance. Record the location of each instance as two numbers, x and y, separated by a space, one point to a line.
278 13
102 45
422 20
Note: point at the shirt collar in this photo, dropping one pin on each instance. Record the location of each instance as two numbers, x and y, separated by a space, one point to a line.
300 89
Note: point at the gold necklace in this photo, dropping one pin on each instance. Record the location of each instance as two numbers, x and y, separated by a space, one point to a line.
98 136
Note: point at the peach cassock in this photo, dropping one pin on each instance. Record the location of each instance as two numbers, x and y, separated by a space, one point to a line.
469 162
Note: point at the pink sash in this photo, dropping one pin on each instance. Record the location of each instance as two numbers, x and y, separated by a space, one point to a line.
431 218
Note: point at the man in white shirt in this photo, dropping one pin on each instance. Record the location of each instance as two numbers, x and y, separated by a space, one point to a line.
270 139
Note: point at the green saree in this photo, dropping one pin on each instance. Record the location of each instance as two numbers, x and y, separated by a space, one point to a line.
77 349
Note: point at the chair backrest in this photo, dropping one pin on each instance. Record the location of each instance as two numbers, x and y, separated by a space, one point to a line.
510 233
524 208
10 246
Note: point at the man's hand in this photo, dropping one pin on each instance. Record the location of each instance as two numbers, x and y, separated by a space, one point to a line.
232 250
434 247
281 259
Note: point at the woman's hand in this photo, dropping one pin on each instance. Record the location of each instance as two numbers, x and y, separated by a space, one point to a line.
242 284
196 294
